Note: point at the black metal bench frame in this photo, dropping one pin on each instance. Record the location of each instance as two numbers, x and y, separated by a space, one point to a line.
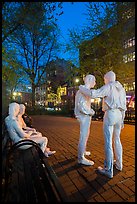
29 177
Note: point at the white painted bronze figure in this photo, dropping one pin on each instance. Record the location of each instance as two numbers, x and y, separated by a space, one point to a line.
83 113
23 124
114 107
16 132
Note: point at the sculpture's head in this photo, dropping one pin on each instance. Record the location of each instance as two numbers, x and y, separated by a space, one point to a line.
14 110
22 109
109 77
90 81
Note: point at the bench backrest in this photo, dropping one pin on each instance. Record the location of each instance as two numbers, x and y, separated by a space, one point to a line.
32 178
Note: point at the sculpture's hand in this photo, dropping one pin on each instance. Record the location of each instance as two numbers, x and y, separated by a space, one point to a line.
84 90
27 136
122 125
92 112
30 133
34 130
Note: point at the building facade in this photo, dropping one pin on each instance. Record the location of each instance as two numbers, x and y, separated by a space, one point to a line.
114 50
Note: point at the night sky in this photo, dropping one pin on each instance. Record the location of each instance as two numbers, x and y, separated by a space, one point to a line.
73 16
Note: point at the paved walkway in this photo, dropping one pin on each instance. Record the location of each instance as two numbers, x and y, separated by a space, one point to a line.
83 183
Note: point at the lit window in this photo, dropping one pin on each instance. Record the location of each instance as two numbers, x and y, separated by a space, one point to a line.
126 87
129 57
129 43
125 58
134 85
125 44
127 14
133 41
133 55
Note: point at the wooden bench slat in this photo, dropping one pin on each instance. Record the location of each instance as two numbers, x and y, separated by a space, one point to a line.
11 176
31 178
45 180
28 166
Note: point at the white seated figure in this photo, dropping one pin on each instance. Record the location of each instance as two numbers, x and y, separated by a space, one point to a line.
23 124
17 134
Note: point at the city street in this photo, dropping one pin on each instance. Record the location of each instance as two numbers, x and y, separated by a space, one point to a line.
83 183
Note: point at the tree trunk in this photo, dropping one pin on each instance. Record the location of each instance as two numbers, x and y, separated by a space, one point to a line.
5 100
33 95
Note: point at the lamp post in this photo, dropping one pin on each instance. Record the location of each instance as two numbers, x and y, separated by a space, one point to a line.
76 82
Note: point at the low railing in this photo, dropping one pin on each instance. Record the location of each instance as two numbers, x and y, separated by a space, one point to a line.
129 116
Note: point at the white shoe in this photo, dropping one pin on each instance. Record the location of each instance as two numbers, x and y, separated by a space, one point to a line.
87 153
116 166
46 154
51 152
86 162
104 172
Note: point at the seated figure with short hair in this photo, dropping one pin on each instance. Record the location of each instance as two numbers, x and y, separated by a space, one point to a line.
23 124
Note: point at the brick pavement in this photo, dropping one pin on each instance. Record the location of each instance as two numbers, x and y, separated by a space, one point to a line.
83 183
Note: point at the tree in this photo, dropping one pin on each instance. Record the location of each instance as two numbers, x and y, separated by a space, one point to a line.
59 72
101 16
14 14
12 18
11 76
100 43
36 40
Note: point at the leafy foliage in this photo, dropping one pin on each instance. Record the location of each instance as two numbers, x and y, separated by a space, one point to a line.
11 74
35 37
100 43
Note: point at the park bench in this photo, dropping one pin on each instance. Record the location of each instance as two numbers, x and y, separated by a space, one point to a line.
28 176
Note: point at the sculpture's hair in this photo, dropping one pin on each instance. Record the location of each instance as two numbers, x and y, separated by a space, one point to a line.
22 105
88 78
14 109
110 76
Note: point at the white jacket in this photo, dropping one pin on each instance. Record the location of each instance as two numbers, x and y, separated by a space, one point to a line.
15 131
113 94
82 105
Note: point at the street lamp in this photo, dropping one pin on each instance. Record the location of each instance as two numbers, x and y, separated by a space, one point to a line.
76 80
14 93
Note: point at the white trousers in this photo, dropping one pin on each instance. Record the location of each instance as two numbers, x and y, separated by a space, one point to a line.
85 122
38 134
112 128
38 138
42 141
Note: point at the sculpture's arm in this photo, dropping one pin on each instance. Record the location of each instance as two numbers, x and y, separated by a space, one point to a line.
20 131
82 106
95 93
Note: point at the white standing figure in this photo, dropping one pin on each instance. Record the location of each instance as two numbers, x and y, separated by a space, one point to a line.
17 134
83 113
114 107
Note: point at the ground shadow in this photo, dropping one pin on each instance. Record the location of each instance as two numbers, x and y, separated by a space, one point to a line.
93 185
